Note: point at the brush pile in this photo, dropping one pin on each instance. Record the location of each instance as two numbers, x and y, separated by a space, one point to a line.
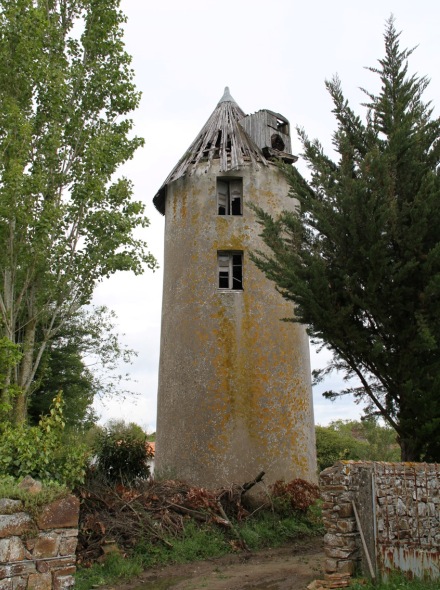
116 518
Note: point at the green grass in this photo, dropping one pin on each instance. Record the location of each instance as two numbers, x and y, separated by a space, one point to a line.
266 529
399 582
271 530
115 568
195 543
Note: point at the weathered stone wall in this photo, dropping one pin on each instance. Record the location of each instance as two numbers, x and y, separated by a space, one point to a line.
398 505
38 553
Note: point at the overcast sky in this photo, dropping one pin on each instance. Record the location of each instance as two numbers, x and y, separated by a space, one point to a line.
273 55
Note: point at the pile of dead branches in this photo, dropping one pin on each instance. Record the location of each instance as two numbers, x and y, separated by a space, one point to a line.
118 517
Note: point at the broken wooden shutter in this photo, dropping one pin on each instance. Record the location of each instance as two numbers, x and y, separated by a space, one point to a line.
223 271
237 271
235 196
222 197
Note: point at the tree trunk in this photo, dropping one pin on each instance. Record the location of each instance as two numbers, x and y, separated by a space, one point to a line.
20 408
408 450
25 370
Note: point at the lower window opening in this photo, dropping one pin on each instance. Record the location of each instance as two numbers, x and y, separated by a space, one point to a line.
230 271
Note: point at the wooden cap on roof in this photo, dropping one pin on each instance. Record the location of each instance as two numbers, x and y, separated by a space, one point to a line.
221 138
234 138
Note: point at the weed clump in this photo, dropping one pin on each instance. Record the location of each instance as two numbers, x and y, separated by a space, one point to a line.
397 581
30 502
297 495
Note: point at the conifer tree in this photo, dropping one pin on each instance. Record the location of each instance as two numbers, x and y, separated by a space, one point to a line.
361 259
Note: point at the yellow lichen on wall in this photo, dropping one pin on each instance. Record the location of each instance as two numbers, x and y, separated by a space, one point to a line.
234 395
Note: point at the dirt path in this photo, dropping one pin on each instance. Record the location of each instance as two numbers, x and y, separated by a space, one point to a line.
287 568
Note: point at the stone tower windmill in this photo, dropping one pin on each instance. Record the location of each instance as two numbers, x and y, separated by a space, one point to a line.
234 380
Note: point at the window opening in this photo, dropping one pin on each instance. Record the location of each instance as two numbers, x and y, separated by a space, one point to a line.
277 142
283 126
230 196
230 270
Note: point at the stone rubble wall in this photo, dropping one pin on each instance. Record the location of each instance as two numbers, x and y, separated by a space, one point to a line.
398 505
38 553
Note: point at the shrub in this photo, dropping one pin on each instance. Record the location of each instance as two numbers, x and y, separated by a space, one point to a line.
297 495
40 451
122 453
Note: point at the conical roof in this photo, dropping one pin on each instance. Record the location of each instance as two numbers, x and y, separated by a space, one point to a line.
221 138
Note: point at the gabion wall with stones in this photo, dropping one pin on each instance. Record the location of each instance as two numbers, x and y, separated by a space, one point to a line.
398 506
38 553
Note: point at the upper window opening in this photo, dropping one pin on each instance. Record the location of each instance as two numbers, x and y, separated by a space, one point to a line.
230 196
283 126
230 271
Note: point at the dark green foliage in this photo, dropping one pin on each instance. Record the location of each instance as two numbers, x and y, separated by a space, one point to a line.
83 361
349 439
361 260
122 453
333 446
41 451
65 371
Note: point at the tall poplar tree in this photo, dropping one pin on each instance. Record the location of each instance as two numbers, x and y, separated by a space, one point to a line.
66 90
361 259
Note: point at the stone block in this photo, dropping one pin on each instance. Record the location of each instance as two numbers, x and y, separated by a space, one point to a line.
403 524
339 552
330 565
60 562
40 582
8 506
422 509
46 545
346 566
432 511
63 582
4 550
19 583
336 488
63 578
66 532
327 506
64 571
11 549
62 513
22 568
345 497
68 546
345 510
30 543
6 584
333 540
42 566
30 485
346 526
15 524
